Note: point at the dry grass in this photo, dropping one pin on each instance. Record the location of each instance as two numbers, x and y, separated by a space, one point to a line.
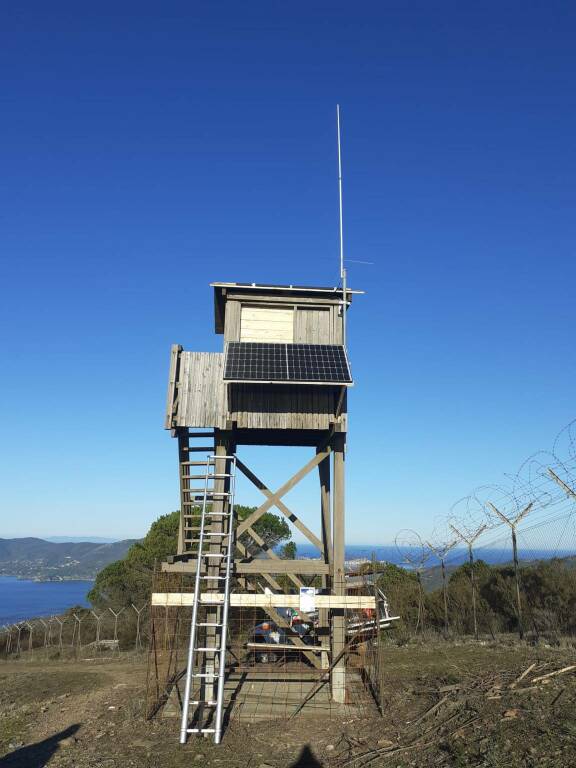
448 705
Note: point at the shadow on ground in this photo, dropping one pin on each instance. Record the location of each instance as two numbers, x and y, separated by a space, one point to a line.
37 755
306 759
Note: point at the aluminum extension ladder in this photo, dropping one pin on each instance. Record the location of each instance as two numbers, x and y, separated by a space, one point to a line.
215 655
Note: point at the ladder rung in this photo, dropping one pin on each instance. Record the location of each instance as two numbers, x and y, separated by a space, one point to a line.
232 458
201 730
214 578
206 674
214 650
212 554
202 477
208 624
209 492
206 703
195 464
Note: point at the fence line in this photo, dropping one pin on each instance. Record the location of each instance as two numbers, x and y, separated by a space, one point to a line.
76 633
531 520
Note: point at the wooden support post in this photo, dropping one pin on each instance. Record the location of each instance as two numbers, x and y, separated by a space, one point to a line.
323 613
339 584
183 445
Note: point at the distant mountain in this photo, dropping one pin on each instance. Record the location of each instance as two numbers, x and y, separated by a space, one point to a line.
46 560
68 539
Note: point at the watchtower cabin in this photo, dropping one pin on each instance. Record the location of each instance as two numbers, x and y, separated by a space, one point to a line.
281 380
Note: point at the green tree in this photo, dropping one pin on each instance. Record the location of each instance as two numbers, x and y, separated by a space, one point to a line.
271 528
130 580
288 551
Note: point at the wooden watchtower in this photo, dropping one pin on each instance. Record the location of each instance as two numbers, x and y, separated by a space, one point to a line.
281 380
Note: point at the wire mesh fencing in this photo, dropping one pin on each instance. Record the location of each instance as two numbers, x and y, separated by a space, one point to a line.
81 633
278 661
503 560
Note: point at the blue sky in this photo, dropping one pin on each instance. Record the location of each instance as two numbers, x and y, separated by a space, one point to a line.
148 149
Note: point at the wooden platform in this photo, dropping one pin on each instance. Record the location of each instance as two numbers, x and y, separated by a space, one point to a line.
273 695
251 600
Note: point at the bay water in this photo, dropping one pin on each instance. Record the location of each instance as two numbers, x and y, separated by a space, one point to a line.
22 599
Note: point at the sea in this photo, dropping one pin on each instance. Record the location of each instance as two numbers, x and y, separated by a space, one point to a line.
22 599
404 556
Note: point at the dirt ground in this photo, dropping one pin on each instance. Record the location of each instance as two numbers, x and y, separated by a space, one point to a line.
444 705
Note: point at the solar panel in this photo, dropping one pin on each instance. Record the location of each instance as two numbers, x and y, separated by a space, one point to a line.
251 361
294 363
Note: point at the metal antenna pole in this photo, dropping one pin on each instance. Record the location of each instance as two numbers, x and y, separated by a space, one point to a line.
341 229
340 192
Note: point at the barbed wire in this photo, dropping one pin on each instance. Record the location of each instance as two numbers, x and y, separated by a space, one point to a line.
535 495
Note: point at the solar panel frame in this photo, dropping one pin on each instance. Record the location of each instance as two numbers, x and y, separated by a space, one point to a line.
287 363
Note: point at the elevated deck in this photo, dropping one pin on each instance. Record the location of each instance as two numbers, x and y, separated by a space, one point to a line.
198 397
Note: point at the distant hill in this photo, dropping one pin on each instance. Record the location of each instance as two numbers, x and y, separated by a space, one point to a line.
47 560
66 539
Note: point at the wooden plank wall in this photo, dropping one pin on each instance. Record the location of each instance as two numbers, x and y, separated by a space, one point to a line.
202 394
268 324
257 406
232 321
313 325
318 324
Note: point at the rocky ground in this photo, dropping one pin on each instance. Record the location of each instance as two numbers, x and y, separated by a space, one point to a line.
444 704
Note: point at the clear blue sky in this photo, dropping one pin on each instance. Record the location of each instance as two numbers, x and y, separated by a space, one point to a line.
147 149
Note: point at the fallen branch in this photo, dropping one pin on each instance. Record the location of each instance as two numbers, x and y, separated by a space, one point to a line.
553 674
522 676
432 709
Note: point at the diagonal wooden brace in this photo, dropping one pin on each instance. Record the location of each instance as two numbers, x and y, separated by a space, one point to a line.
267 577
274 498
269 554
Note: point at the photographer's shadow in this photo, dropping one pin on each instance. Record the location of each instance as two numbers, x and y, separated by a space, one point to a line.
37 755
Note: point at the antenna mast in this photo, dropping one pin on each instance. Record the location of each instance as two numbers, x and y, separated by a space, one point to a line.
342 269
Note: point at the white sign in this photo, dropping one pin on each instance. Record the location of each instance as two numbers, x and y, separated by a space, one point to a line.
307 599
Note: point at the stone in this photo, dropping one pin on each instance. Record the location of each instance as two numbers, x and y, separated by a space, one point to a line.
329 747
69 741
385 743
